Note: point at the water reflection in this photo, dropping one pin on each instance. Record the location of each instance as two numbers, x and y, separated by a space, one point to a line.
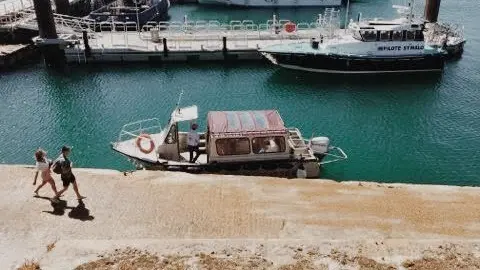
371 82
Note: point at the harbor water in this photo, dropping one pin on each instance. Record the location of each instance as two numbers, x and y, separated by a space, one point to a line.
412 128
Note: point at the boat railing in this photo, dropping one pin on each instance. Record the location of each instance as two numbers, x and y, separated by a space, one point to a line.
135 129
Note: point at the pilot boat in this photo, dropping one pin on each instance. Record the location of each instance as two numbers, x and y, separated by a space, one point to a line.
366 46
235 142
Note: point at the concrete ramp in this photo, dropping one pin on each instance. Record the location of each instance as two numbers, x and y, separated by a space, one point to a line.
181 213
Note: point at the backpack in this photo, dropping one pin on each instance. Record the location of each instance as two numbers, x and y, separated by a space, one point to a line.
57 167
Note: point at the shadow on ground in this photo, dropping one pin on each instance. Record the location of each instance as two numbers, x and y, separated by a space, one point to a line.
79 212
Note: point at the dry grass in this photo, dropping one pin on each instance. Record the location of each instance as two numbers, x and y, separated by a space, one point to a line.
369 264
303 264
51 246
444 258
133 259
213 262
30 265
363 263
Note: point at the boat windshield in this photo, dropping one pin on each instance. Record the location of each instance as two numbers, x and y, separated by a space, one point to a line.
369 35
398 35
356 34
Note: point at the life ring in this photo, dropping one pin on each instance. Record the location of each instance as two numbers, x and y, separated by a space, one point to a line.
290 27
139 145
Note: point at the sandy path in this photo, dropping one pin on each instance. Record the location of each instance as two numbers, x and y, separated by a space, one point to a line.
177 212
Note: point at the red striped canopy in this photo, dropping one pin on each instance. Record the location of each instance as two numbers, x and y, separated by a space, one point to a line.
268 121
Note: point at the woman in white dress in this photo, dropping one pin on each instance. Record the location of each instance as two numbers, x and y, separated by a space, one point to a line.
43 167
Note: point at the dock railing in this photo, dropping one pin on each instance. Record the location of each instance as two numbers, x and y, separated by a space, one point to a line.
202 35
14 6
26 19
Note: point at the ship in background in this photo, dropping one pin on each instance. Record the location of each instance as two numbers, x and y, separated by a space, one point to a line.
140 11
274 3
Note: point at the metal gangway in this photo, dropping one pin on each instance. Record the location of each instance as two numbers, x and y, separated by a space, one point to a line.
13 6
20 14
26 19
201 35
325 25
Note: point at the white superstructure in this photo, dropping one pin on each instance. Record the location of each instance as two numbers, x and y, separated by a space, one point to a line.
274 3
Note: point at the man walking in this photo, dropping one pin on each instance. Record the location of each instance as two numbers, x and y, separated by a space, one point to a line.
63 166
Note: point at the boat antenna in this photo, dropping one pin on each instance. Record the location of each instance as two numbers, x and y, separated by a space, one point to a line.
411 4
346 15
138 19
179 99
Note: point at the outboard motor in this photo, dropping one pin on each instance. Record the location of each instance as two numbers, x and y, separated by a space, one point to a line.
319 146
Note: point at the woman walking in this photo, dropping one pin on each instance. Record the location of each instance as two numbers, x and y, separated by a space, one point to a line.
43 166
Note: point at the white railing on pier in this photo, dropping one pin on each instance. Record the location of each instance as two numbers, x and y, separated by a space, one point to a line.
13 6
26 19
203 35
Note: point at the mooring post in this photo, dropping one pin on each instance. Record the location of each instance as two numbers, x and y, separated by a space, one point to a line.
165 47
48 41
88 50
224 49
432 8
62 7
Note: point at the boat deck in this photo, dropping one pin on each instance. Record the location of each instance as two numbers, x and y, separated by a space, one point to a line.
129 148
201 160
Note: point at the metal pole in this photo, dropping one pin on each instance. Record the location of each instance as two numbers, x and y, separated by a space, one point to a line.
138 20
411 5
346 15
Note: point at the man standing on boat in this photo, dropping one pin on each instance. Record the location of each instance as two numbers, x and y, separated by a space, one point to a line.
193 139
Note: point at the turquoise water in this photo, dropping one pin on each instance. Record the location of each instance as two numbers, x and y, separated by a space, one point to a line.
396 128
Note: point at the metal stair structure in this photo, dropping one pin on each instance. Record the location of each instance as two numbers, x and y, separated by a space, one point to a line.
19 14
26 19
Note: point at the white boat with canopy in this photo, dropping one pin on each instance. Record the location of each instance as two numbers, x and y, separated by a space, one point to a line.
235 142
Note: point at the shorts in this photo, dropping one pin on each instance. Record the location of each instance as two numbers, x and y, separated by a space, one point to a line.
193 148
68 179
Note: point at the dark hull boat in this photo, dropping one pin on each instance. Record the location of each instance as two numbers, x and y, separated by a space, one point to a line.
129 11
336 63
366 46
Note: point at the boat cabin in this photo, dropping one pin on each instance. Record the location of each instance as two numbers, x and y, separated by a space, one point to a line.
246 136
385 31
231 136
